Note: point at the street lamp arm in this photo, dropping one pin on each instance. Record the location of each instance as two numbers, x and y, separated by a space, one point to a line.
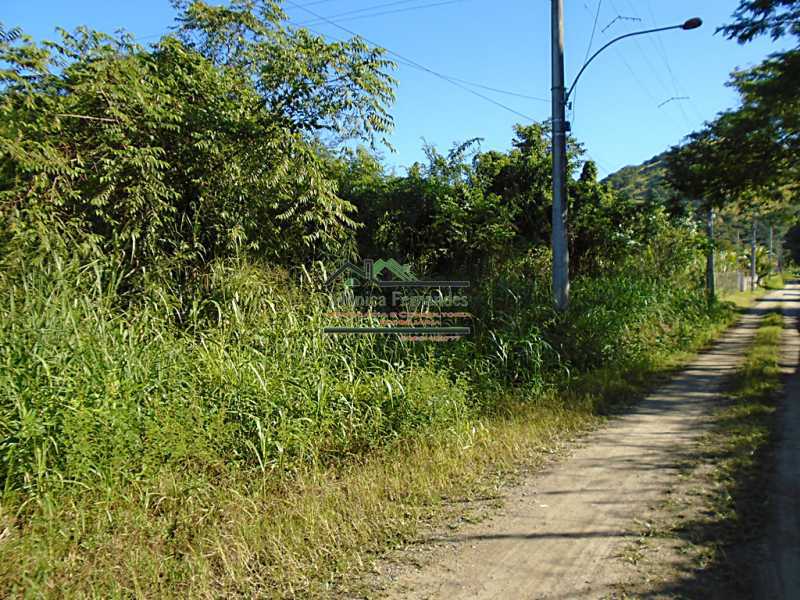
691 24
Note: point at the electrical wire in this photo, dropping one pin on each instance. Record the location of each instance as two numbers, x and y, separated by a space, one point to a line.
645 56
374 7
499 91
315 2
588 50
676 83
594 30
636 77
412 63
658 44
399 10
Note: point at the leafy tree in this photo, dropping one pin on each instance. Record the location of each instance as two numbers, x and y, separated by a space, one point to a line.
754 18
206 145
766 128
440 215
604 226
523 179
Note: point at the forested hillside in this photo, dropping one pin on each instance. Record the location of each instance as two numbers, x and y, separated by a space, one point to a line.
643 183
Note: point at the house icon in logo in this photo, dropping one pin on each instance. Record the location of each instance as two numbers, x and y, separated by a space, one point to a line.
382 272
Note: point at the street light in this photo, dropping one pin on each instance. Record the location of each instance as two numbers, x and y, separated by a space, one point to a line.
690 24
560 129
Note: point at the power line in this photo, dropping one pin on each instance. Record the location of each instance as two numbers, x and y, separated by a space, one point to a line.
652 67
499 91
636 78
641 49
619 18
315 2
376 6
399 10
411 62
594 30
679 89
673 99
588 50
656 42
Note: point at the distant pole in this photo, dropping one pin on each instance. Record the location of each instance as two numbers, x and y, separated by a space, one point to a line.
711 286
559 235
753 258
770 249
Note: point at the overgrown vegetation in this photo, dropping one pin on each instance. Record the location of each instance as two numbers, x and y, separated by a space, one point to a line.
172 418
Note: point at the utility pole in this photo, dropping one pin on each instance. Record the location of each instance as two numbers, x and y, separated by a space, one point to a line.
711 284
559 156
753 258
560 130
770 249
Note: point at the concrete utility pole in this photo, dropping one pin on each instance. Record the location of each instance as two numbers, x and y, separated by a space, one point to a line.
559 235
711 283
753 258
560 130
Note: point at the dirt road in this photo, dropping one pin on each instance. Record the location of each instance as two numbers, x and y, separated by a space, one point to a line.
779 575
562 530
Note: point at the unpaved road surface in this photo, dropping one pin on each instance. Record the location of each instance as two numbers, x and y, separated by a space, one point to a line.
562 531
779 575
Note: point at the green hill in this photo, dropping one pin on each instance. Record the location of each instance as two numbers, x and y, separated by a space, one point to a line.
642 183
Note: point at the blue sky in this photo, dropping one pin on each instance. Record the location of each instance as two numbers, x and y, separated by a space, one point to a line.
502 44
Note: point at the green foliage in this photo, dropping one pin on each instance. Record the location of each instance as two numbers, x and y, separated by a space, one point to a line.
763 133
470 211
101 392
453 211
203 147
643 184
751 150
100 396
166 214
754 18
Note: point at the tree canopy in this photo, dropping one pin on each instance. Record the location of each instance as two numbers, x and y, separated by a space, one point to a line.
749 154
204 145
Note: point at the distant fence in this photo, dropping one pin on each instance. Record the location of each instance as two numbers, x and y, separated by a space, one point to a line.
732 281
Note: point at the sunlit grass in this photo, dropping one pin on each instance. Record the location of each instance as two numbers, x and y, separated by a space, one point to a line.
223 446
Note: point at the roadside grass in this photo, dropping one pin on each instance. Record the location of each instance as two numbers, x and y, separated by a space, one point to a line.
745 299
245 533
703 541
251 535
774 282
242 453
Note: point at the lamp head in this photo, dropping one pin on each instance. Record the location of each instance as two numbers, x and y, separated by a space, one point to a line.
692 23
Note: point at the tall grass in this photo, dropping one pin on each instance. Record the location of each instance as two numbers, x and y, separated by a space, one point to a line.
98 388
93 392
137 417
